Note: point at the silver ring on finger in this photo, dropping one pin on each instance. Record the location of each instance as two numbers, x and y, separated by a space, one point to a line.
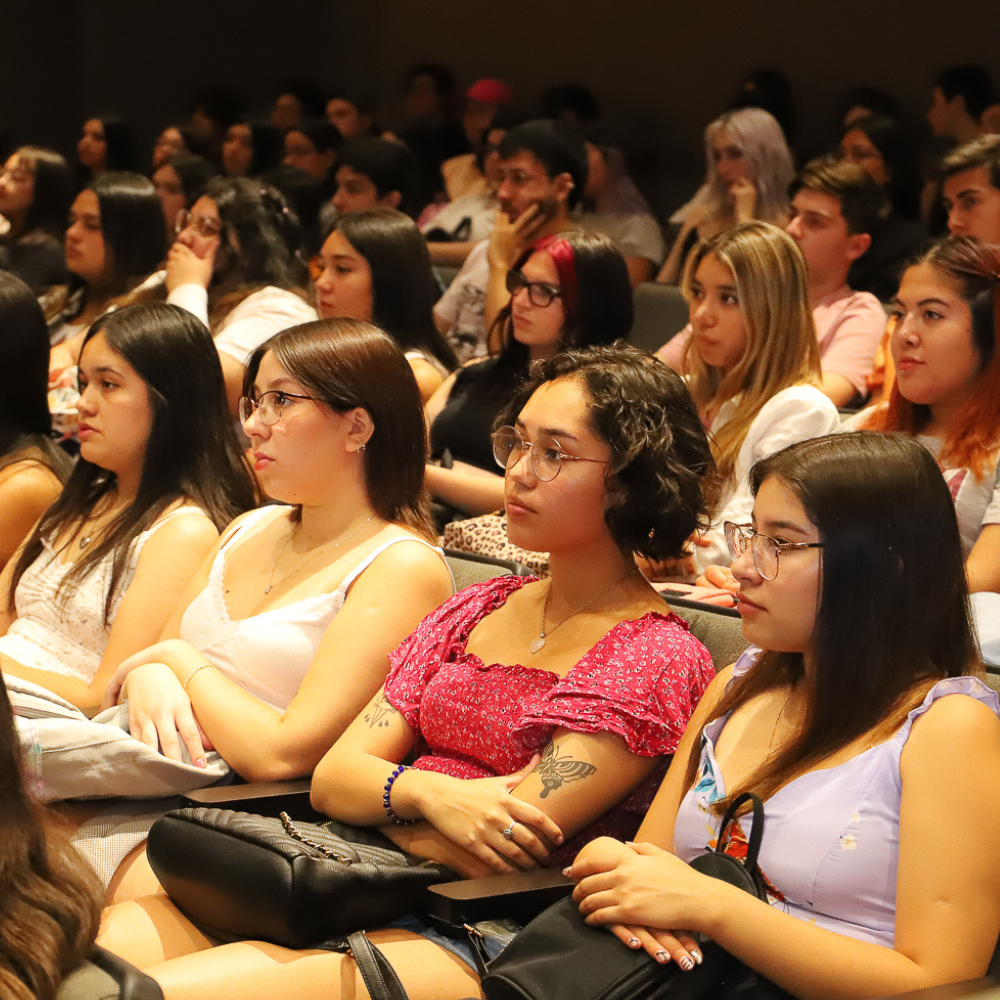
509 832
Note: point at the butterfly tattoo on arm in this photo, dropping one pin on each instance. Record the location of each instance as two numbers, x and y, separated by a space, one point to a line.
555 771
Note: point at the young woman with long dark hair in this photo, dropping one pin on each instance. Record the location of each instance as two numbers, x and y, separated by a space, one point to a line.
36 190
376 267
159 475
570 290
32 467
855 718
114 240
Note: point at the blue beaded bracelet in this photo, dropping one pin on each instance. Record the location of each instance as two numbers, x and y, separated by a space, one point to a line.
385 798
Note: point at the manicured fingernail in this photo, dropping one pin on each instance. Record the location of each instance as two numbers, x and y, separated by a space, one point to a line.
568 870
200 762
686 963
634 942
662 957
696 955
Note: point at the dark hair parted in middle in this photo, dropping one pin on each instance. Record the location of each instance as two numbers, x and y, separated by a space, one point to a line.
132 226
192 452
347 363
402 281
661 476
893 608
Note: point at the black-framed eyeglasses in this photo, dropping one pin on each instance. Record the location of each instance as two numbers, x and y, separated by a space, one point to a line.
270 406
540 293
546 453
764 549
203 225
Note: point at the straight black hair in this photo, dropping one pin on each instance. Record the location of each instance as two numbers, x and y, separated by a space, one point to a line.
133 227
401 278
53 191
192 452
25 421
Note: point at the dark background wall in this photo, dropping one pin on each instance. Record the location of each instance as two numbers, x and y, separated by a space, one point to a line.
662 68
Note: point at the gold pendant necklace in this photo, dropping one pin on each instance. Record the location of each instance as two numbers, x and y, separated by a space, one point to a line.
536 645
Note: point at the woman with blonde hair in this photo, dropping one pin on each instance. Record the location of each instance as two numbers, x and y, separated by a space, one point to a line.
749 170
753 360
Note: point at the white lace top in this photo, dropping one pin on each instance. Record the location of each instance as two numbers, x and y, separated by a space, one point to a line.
69 636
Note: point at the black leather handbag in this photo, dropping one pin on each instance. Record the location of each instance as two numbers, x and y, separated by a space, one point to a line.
559 957
240 876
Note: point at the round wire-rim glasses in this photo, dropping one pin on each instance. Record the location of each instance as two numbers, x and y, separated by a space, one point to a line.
764 549
545 453
270 410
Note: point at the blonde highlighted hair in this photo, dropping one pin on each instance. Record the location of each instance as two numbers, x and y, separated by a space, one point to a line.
769 272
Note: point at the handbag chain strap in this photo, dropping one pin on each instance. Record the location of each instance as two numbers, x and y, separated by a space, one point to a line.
327 852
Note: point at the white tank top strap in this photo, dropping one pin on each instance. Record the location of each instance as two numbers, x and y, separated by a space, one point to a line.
249 520
372 556
176 512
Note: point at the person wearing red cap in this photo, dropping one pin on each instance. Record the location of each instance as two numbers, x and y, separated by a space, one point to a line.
483 100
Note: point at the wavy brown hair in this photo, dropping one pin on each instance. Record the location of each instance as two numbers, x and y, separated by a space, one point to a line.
50 899
661 474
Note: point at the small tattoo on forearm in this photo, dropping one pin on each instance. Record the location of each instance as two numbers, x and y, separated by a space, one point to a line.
378 714
555 770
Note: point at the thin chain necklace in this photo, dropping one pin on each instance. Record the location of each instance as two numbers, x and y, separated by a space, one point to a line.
536 644
319 551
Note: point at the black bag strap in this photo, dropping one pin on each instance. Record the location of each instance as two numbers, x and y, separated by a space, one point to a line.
756 833
377 972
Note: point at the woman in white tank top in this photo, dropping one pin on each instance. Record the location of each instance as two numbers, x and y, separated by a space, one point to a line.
159 475
285 632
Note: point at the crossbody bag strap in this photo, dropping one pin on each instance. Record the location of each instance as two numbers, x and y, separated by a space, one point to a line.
756 832
377 972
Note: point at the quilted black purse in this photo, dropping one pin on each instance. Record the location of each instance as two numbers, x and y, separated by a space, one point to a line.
559 957
237 875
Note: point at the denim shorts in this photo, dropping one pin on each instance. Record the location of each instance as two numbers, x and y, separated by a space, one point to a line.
497 934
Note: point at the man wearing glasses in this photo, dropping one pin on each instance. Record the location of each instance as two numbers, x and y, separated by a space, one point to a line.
543 173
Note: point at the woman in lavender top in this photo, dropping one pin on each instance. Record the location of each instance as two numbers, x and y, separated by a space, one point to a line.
855 718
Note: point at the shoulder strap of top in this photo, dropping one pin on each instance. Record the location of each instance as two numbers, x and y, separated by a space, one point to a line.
972 687
372 556
176 512
249 520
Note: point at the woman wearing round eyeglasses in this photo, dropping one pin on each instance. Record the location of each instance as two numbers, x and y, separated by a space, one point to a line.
855 720
542 712
234 265
570 290
285 632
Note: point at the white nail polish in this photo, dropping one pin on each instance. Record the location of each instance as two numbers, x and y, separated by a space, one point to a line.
686 963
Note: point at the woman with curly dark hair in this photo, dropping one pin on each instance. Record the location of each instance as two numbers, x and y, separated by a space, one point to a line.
235 266
512 681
